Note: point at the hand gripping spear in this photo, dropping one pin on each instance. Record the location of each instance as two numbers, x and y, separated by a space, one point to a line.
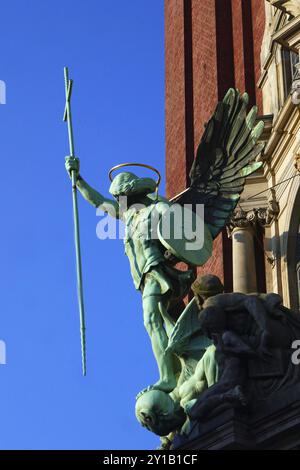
68 117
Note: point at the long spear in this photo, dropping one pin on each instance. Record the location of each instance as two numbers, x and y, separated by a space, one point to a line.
68 117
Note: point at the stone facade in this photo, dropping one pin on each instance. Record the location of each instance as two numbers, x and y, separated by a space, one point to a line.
279 55
252 45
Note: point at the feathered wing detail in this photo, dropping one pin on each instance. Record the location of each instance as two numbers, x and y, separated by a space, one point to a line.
225 157
187 337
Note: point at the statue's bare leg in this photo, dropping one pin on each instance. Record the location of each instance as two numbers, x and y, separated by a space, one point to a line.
155 327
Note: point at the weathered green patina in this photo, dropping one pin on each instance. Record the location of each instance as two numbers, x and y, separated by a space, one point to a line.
158 281
224 158
73 175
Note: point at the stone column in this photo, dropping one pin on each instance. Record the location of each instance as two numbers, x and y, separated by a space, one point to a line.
242 228
243 256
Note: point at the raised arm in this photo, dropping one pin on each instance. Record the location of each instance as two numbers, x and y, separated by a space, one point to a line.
91 195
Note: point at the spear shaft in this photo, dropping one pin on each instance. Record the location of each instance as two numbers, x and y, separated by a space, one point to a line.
68 118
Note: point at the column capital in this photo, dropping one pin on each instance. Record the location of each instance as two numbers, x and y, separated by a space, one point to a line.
262 215
239 220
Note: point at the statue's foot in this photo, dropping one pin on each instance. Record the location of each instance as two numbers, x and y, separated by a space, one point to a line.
166 386
147 389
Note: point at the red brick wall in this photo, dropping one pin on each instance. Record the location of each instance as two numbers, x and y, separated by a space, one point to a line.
205 80
258 18
211 45
248 30
239 71
204 65
175 98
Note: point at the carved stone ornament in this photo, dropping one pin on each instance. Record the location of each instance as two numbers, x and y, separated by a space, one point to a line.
297 161
262 215
289 6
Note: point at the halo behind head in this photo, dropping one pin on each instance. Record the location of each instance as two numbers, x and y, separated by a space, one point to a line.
128 184
122 165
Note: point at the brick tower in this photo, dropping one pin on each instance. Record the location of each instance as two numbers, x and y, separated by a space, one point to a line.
211 45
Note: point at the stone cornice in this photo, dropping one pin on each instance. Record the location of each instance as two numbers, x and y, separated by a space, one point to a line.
286 34
278 23
279 127
289 35
291 7
268 121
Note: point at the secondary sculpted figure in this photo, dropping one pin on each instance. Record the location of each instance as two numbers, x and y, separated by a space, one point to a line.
222 162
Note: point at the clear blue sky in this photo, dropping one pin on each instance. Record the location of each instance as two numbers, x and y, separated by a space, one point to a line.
115 52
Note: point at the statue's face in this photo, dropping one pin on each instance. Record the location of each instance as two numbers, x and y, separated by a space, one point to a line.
155 410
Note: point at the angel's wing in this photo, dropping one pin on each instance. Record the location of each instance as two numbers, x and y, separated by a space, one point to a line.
224 158
187 337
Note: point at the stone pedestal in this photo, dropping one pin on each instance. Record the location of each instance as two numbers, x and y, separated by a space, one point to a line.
272 424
